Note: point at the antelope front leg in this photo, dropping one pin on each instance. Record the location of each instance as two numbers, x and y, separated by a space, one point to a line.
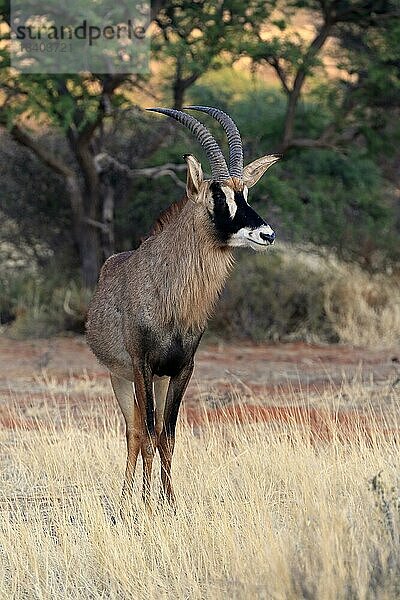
143 381
166 444
124 393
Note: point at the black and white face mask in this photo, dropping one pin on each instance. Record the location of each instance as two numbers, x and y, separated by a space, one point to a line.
236 223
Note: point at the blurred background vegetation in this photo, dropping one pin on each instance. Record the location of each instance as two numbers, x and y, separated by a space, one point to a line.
85 170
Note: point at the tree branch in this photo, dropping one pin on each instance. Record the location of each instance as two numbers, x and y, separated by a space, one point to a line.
299 79
102 226
46 156
170 169
274 62
327 139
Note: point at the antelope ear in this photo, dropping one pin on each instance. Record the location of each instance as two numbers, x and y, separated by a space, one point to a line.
194 176
257 168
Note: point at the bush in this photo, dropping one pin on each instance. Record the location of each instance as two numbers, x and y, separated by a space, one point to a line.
279 296
40 304
364 310
35 212
295 295
270 298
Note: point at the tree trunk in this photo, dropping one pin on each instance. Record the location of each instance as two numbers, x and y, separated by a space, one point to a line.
179 94
85 194
90 252
295 92
108 240
87 209
86 234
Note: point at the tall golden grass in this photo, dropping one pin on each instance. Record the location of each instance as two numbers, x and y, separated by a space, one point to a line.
265 510
364 309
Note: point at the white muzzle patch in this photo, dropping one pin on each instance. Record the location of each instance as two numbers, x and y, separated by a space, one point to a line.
259 239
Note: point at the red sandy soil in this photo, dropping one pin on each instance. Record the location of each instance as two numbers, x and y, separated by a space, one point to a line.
241 381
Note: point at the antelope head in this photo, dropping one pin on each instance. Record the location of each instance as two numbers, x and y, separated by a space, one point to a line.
225 195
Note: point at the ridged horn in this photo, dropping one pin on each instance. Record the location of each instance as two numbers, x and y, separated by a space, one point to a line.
219 169
233 135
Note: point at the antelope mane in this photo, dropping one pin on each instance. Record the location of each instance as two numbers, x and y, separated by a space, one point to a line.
167 216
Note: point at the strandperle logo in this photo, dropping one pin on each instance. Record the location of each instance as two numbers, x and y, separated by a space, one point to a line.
95 36
81 32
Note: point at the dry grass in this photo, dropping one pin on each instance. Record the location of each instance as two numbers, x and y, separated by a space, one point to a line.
303 293
265 511
363 308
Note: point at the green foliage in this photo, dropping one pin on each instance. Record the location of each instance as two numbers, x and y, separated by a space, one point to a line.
64 101
196 36
334 200
373 55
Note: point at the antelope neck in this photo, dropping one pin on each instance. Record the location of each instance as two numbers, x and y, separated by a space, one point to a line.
190 267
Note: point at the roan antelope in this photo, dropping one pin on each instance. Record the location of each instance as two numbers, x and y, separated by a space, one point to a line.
151 305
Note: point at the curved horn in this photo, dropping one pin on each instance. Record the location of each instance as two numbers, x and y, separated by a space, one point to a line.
233 135
219 169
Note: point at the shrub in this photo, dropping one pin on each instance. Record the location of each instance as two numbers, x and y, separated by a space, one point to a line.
298 295
279 296
270 298
41 304
364 309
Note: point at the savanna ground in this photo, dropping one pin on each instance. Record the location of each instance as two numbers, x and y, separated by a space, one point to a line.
286 474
